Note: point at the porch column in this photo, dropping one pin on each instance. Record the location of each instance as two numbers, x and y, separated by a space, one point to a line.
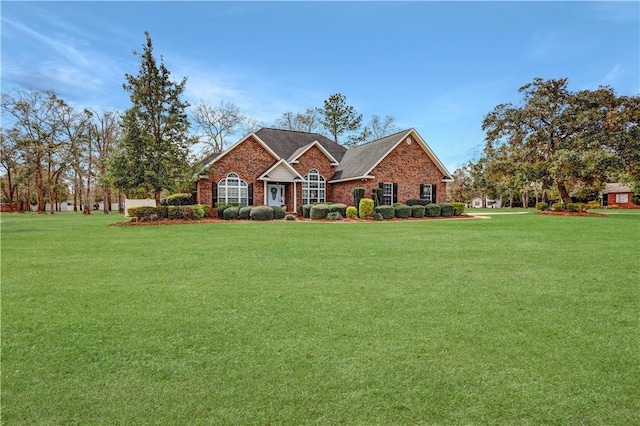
295 197
264 201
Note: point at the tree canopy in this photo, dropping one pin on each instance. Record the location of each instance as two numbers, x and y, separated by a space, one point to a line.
154 150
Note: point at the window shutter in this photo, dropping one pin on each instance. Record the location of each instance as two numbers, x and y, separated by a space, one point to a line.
250 194
421 191
381 185
395 192
214 193
433 193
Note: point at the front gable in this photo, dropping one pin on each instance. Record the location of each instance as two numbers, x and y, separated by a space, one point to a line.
315 158
249 158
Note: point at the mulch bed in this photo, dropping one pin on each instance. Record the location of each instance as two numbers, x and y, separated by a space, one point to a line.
299 219
565 213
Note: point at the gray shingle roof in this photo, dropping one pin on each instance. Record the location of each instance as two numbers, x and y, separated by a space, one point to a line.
360 160
614 188
287 142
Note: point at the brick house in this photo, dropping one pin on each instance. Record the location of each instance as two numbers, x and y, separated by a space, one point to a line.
289 168
618 195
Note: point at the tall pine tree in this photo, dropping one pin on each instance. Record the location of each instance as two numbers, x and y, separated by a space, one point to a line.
154 151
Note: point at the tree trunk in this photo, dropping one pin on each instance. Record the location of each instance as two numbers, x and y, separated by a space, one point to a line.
157 197
564 194
106 201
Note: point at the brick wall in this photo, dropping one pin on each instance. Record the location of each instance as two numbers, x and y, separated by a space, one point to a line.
408 165
314 158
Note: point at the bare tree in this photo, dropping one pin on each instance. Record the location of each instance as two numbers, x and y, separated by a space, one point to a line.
217 124
106 132
308 121
381 127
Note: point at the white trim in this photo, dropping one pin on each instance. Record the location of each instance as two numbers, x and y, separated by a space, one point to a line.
334 162
232 147
352 178
425 148
265 175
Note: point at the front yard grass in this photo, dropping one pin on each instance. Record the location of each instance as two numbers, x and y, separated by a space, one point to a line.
519 319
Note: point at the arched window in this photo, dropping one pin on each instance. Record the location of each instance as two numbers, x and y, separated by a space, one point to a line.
233 190
313 188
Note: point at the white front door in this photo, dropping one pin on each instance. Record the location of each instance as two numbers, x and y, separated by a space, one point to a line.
275 195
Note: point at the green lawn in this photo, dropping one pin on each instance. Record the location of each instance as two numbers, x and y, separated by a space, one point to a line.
517 319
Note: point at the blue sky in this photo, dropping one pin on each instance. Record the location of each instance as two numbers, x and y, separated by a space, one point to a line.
437 66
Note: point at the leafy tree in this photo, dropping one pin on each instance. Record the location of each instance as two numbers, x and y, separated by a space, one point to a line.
562 136
338 118
155 148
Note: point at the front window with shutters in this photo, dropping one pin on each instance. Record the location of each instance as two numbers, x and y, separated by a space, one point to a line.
427 192
232 189
313 188
387 193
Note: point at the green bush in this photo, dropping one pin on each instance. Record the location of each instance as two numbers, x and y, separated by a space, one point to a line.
144 213
334 216
231 213
387 212
574 207
352 212
542 206
319 211
222 206
365 208
358 194
306 210
278 212
458 208
163 212
377 216
591 205
402 211
376 196
198 211
261 213
417 202
418 210
290 217
432 210
205 210
446 210
179 200
181 213
338 207
557 207
244 212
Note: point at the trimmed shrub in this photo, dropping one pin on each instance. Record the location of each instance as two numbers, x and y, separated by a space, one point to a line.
377 216
261 213
319 211
279 212
290 217
231 213
446 210
143 213
206 210
244 212
352 212
387 212
376 196
358 194
338 207
432 210
223 206
574 207
163 212
557 207
181 213
179 200
417 210
458 209
402 211
198 211
365 208
542 206
306 210
334 216
417 202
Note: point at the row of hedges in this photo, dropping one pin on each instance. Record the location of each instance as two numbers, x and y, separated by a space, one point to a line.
570 207
232 212
367 210
148 214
